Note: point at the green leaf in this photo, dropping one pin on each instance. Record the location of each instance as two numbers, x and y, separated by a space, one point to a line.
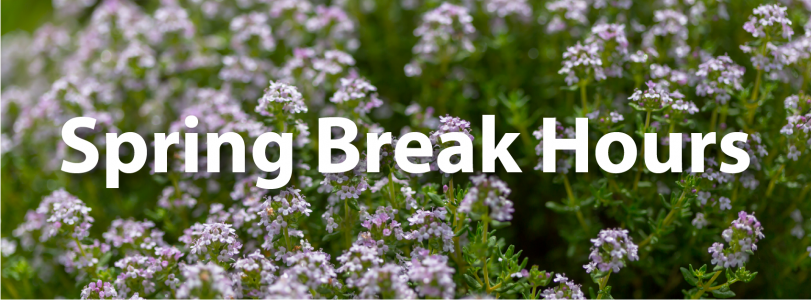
436 199
723 293
498 225
353 203
105 258
471 282
330 236
446 179
645 184
557 207
718 268
688 276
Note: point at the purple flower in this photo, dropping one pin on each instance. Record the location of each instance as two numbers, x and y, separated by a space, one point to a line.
65 213
504 8
450 124
173 19
672 24
724 203
742 237
768 20
279 212
444 31
134 235
309 67
613 44
699 221
572 10
250 26
382 225
718 74
99 290
212 241
389 281
357 260
287 286
313 269
431 229
610 250
139 273
281 99
566 289
681 107
488 196
432 276
357 94
334 19
655 97
582 62
252 272
797 231
205 281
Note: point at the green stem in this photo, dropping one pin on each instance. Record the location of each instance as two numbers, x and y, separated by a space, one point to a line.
79 245
287 240
668 219
583 97
603 283
573 204
773 181
753 104
485 262
720 286
641 153
803 192
391 191
701 291
348 228
757 85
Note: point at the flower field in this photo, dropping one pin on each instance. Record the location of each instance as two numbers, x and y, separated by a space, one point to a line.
435 67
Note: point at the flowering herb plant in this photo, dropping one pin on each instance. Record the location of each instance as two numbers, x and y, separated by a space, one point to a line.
401 66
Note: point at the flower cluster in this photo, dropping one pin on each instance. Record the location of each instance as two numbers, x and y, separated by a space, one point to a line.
134 235
654 98
488 197
212 241
742 237
99 290
769 20
280 98
205 281
431 229
566 289
432 276
65 213
279 212
582 61
357 93
444 31
716 76
610 250
388 282
798 124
